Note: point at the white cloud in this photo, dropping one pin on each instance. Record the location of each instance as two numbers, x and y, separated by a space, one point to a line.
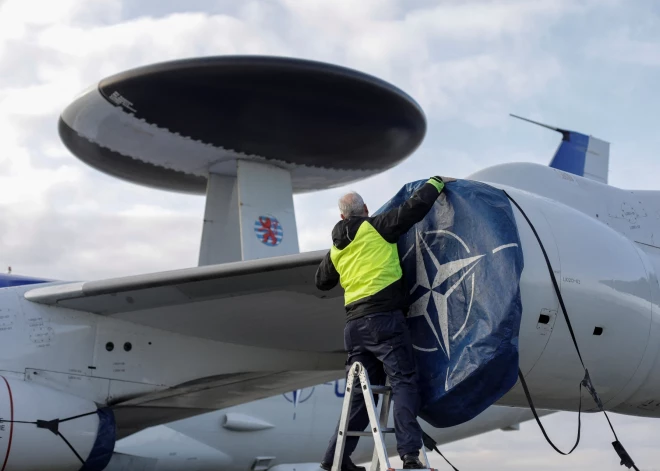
484 20
36 12
94 244
622 46
437 53
60 51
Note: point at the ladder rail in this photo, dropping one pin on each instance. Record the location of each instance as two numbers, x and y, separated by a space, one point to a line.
376 428
382 420
423 458
357 381
343 421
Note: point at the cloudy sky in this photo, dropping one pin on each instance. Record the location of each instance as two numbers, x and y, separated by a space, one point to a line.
592 66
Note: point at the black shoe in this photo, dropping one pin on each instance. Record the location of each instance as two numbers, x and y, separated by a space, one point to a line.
411 461
349 466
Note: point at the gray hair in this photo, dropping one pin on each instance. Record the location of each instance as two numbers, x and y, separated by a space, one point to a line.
351 204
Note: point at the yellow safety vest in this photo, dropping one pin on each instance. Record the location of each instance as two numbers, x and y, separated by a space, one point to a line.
366 265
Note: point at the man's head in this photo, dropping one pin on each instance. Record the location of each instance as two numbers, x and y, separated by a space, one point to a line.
351 204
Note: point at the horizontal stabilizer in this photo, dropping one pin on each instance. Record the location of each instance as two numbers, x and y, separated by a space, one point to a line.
579 154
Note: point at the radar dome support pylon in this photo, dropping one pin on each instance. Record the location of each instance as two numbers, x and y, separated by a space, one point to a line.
247 131
252 214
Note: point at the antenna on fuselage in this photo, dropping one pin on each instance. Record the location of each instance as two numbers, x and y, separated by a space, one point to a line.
246 131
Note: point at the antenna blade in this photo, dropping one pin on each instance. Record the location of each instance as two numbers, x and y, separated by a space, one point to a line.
537 123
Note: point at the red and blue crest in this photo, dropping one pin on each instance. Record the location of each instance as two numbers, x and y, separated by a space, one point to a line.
268 230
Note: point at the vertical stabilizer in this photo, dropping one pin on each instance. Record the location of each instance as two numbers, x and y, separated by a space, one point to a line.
579 154
597 160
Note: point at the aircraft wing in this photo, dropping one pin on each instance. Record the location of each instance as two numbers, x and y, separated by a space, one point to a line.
242 302
267 303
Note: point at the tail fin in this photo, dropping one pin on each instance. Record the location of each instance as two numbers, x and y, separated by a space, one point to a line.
579 154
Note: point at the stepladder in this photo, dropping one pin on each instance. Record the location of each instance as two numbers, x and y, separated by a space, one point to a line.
357 382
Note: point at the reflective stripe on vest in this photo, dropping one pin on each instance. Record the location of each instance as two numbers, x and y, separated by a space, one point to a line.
367 265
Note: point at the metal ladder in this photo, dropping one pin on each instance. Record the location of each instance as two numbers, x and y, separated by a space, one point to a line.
380 461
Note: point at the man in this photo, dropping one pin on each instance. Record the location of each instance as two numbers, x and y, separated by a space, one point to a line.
365 260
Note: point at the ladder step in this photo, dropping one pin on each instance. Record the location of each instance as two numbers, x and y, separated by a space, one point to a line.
368 434
359 381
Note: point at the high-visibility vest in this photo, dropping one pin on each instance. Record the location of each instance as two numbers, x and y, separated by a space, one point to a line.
366 265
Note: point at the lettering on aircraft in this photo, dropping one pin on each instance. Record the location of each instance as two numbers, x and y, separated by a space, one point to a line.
6 321
300 396
630 213
268 230
565 176
340 387
571 280
340 392
119 100
425 291
40 332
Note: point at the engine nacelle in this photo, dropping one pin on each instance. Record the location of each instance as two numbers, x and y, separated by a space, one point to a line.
31 438
610 287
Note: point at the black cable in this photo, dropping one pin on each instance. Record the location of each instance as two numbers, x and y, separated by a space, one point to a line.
53 426
77 416
82 461
538 420
431 444
626 460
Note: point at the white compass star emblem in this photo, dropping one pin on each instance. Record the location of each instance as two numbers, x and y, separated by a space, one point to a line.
443 273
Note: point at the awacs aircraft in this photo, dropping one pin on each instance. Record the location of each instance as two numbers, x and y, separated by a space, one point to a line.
87 363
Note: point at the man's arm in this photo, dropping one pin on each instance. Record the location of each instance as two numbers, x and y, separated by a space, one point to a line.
396 222
327 276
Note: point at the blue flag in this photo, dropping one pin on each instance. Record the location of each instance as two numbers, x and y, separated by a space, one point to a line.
462 265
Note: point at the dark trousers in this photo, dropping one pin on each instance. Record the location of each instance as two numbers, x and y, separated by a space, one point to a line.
382 343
